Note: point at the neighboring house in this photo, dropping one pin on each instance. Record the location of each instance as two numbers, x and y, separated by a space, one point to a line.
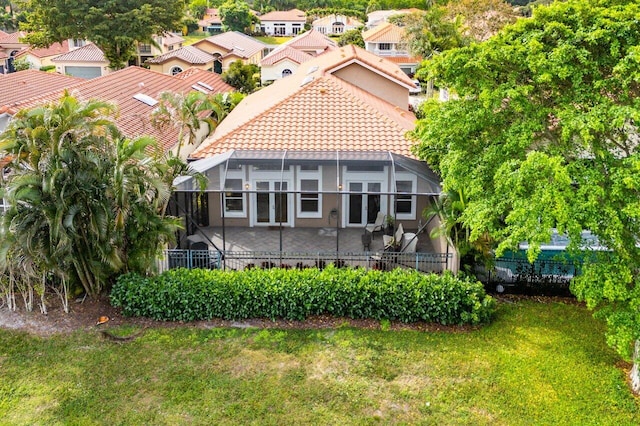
211 22
335 24
232 46
41 57
283 22
21 86
85 62
163 44
4 64
286 58
388 41
10 46
379 16
179 60
135 91
282 62
333 136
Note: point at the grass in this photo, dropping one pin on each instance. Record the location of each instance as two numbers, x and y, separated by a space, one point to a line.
193 38
273 40
536 364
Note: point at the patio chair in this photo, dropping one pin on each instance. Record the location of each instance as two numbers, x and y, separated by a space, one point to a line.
409 243
378 225
393 241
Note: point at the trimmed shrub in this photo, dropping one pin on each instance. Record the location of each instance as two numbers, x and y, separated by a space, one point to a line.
294 294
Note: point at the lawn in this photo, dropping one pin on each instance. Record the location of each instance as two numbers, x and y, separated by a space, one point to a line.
535 364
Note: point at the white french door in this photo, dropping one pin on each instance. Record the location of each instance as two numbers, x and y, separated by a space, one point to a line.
363 202
269 206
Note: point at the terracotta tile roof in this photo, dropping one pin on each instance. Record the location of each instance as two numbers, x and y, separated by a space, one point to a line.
312 111
403 59
188 54
312 39
20 86
295 15
2 34
134 115
12 38
53 50
211 16
235 42
170 38
384 33
87 53
285 52
339 58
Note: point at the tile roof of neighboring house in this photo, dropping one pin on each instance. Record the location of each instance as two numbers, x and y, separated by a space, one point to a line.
285 52
20 86
330 19
87 53
384 33
170 38
295 15
134 115
403 59
348 54
53 50
312 110
189 54
2 34
12 38
312 39
235 43
211 16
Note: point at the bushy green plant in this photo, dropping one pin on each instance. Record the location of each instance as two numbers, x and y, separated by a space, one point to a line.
408 296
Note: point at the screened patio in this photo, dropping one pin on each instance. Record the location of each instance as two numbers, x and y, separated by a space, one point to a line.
308 202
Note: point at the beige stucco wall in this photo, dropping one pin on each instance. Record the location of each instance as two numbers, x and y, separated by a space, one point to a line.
376 84
166 67
104 66
274 72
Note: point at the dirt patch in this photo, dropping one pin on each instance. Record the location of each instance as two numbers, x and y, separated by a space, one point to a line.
85 315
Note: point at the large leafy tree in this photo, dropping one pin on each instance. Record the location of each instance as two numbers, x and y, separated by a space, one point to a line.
481 18
543 134
242 77
114 26
236 16
84 202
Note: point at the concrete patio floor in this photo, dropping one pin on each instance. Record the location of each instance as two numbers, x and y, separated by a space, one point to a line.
307 240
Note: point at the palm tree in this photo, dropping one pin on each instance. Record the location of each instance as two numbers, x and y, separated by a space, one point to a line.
188 113
77 191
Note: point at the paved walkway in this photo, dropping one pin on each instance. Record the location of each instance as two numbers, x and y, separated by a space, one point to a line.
300 239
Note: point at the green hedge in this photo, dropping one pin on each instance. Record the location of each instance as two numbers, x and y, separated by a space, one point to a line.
198 294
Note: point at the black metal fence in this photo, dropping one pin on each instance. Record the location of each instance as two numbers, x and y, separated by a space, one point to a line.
238 260
550 277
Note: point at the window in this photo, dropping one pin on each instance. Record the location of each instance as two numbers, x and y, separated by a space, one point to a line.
279 29
405 203
296 28
309 201
286 72
337 28
233 199
78 43
309 198
384 46
175 70
144 48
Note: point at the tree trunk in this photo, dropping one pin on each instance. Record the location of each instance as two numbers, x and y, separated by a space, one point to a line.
635 373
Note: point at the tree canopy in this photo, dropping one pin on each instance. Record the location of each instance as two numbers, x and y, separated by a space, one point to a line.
114 26
542 134
236 15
